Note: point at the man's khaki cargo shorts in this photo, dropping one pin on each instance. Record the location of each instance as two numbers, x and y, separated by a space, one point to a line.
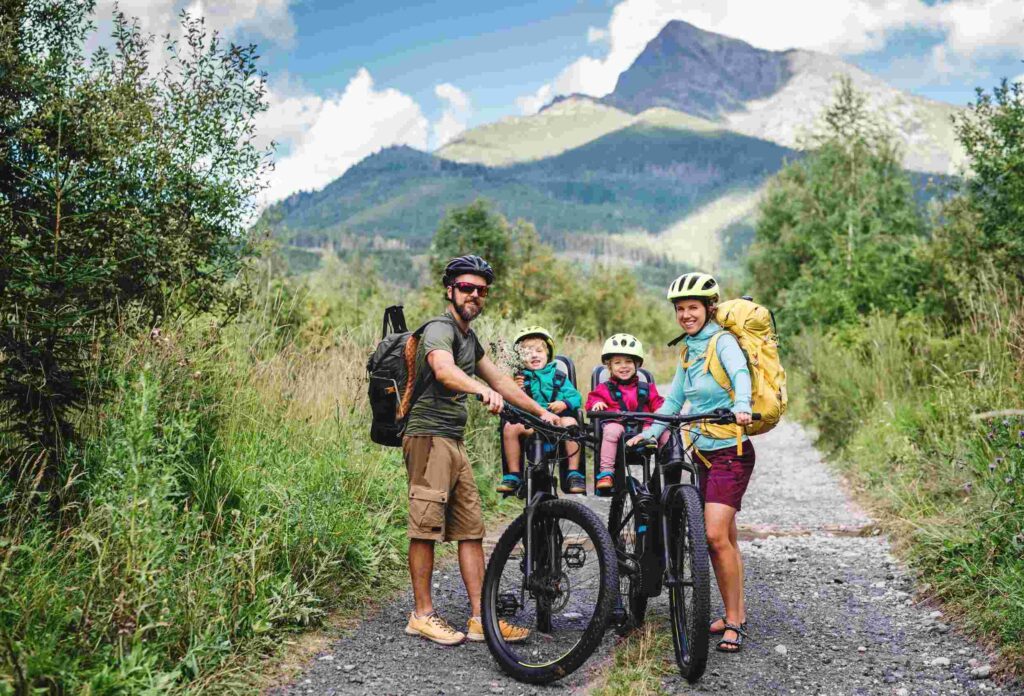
444 503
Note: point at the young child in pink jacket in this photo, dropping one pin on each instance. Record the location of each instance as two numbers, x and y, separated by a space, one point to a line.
623 354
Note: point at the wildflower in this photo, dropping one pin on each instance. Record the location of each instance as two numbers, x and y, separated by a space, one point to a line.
1008 480
1020 434
967 487
992 466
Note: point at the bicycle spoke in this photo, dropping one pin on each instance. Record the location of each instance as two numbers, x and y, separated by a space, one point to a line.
559 602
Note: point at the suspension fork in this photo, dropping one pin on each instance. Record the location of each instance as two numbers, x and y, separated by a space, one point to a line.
674 457
531 505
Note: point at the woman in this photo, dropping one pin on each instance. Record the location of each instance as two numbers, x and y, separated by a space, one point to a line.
726 473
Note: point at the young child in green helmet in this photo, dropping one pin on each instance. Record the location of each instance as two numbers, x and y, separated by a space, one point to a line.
550 388
622 355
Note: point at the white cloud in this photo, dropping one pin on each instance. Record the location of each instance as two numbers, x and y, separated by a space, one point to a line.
456 98
453 119
532 103
838 26
594 35
1019 78
269 20
329 135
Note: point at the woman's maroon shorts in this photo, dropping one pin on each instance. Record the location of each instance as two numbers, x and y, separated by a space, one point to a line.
726 481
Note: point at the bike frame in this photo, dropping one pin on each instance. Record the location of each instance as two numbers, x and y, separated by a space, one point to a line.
539 475
674 457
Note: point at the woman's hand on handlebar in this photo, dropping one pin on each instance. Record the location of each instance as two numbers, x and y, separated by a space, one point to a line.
491 399
599 406
744 418
636 440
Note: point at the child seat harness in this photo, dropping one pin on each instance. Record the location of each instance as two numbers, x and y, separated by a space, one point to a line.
643 394
557 380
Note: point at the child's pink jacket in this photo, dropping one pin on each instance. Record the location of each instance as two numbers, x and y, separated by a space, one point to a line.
629 395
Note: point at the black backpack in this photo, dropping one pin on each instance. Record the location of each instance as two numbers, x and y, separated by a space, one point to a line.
391 370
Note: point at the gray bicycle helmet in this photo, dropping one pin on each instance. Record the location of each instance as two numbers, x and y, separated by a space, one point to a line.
471 263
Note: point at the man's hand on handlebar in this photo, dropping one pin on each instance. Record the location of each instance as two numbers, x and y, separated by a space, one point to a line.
491 399
599 406
550 418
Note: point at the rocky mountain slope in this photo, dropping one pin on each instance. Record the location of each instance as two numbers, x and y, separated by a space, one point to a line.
777 96
672 162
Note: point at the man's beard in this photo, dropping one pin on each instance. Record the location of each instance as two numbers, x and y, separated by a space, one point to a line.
468 310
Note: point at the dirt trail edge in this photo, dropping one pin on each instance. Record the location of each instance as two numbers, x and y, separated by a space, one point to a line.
830 610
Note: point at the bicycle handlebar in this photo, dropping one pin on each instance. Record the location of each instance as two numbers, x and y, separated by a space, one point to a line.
515 414
721 416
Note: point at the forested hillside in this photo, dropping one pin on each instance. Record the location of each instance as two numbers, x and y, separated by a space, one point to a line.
639 178
904 327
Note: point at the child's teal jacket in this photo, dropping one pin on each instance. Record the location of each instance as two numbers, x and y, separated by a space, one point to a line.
541 388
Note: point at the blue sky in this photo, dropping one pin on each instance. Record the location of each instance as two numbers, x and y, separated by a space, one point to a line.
497 54
347 78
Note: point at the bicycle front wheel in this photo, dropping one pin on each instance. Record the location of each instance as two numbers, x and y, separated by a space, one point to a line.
689 596
566 600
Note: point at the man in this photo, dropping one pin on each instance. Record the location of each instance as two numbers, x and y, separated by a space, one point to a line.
444 503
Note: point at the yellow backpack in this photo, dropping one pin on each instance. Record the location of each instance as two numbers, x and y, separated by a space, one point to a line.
754 328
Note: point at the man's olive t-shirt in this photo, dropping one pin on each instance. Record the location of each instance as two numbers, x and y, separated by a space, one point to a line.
439 411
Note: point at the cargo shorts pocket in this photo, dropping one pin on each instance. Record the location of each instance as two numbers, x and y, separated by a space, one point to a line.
426 508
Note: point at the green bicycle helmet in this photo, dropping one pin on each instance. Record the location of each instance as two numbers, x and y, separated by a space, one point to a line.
701 286
537 332
623 344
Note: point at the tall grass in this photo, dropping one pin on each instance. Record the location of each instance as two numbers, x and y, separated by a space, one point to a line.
227 493
927 424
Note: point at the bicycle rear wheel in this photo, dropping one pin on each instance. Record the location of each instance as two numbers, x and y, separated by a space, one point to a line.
689 598
567 601
628 539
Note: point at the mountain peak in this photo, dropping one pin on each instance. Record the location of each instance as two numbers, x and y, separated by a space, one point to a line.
698 72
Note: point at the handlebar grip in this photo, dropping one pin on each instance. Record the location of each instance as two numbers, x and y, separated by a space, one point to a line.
755 416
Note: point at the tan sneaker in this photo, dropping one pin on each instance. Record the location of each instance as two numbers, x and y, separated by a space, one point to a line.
511 634
434 628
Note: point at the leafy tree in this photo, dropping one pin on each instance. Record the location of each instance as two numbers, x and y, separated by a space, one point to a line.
992 133
124 194
473 229
839 229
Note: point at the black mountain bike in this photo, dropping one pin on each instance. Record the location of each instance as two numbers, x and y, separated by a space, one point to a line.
553 570
656 522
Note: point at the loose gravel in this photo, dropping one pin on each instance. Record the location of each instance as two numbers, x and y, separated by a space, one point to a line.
829 611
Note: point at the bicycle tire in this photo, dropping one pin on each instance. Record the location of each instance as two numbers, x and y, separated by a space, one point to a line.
633 601
592 635
690 616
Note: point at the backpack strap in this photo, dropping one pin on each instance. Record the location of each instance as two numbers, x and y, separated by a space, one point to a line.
713 364
420 385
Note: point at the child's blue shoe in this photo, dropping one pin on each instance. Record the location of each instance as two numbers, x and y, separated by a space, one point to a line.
576 482
509 483
604 484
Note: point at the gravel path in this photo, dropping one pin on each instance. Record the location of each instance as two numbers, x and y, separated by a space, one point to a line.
830 611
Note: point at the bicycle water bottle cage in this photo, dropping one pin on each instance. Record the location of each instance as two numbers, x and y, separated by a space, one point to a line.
549 448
